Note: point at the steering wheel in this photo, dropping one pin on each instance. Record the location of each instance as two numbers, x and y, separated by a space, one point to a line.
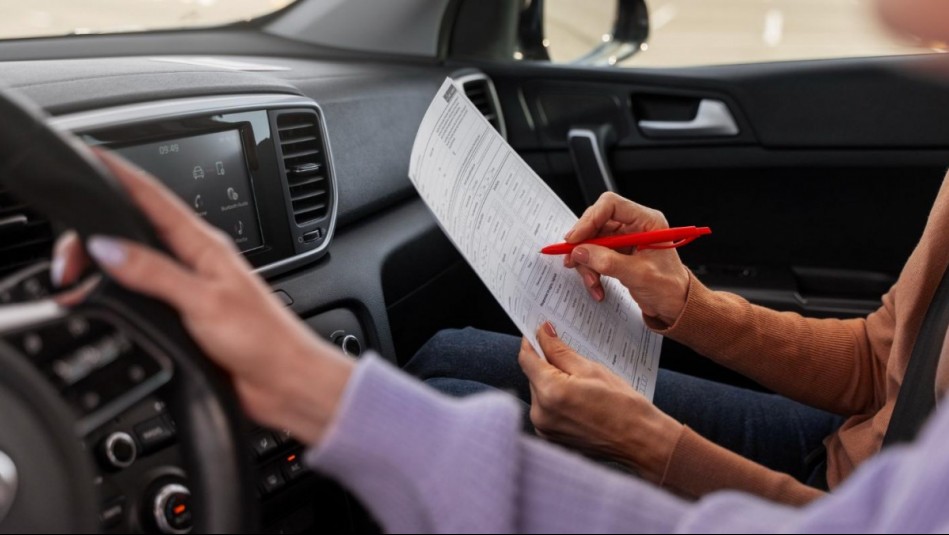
46 477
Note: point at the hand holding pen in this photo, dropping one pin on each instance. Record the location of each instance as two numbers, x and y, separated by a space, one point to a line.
654 276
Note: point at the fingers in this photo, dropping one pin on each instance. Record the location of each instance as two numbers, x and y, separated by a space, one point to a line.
532 364
188 236
559 354
69 260
591 281
146 271
605 261
610 208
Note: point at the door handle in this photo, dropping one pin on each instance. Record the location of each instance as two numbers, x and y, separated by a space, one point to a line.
713 119
588 152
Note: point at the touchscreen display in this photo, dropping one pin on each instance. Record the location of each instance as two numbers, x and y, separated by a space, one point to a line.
210 173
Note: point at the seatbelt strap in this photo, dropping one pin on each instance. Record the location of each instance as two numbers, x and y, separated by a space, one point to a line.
917 397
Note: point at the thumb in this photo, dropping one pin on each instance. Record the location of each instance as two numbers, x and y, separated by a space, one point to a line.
558 353
603 260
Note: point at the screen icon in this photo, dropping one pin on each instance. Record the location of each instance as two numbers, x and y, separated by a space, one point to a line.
239 228
232 195
198 203
198 172
220 168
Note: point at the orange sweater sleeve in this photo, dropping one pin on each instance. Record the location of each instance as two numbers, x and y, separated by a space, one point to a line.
825 363
698 467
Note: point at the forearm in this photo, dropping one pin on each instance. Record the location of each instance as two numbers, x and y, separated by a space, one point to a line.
423 462
698 467
825 363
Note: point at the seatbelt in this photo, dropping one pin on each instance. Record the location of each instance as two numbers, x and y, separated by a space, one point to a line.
917 397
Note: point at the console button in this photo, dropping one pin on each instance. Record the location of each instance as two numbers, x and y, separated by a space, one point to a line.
271 480
293 466
154 434
118 451
263 443
112 513
313 235
172 509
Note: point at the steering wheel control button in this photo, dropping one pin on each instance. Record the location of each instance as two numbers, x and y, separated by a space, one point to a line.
172 509
8 484
112 513
271 480
263 443
154 434
284 297
283 436
119 451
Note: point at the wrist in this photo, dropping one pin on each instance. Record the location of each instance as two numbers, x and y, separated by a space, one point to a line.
651 442
677 297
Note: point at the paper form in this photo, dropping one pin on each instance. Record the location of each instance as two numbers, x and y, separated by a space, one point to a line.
499 214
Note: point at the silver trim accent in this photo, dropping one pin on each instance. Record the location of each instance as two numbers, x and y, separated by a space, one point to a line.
600 160
9 483
109 446
713 119
14 220
187 107
17 316
161 500
462 80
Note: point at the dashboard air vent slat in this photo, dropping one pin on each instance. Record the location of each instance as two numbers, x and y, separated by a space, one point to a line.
479 91
25 237
304 158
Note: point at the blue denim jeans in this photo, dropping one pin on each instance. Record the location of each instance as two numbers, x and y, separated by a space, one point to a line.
769 429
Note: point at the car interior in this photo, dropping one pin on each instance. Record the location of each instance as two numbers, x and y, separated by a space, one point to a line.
292 133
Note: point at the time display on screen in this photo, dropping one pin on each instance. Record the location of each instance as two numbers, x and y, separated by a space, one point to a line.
209 172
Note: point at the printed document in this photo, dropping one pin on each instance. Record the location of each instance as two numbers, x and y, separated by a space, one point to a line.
499 214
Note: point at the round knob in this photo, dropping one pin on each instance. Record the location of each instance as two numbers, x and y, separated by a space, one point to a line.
172 509
119 450
350 345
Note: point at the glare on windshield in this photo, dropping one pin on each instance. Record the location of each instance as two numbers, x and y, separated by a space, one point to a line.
37 18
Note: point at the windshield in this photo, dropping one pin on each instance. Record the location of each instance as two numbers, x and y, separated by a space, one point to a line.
36 18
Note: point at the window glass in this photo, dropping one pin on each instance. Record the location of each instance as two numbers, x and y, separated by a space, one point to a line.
35 18
710 32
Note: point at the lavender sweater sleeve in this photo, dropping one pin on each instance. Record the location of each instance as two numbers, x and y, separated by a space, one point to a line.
423 462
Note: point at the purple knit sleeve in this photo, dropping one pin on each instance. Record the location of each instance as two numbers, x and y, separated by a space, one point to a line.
423 462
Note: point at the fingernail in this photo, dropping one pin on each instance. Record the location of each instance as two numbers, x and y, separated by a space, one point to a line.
107 251
567 235
56 271
598 294
581 255
589 280
551 330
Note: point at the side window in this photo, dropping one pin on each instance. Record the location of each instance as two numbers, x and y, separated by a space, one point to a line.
714 32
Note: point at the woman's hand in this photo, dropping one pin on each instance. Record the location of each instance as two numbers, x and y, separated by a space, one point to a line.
580 403
286 376
657 279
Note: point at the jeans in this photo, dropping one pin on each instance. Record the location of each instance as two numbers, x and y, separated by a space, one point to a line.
774 431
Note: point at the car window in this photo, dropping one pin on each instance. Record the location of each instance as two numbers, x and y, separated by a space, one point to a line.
38 18
710 32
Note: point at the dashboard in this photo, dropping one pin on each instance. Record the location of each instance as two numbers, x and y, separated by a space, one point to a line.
304 165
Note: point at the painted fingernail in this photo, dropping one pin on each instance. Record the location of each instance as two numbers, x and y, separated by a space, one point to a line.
589 280
581 255
551 330
598 294
56 271
107 251
568 234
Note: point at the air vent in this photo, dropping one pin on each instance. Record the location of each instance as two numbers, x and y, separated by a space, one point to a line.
25 237
481 92
304 158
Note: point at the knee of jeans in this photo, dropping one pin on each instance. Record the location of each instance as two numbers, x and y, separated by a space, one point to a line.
435 351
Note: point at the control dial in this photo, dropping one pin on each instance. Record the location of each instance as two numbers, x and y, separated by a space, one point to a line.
118 451
172 509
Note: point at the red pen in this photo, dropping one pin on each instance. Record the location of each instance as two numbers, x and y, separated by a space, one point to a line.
670 237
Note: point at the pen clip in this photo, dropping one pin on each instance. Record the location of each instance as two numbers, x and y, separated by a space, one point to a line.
673 245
